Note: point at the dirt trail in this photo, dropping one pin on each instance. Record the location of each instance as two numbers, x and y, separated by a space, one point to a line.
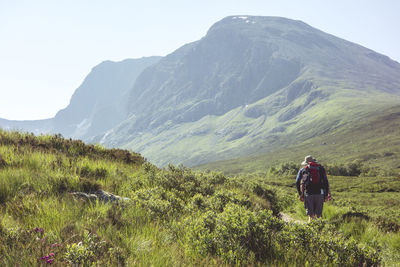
289 219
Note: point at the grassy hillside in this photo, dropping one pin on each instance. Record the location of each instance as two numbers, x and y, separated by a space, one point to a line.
173 216
372 142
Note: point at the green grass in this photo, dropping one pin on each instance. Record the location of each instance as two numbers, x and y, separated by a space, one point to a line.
373 141
363 208
175 216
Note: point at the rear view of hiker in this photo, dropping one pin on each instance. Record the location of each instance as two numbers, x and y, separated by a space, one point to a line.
313 187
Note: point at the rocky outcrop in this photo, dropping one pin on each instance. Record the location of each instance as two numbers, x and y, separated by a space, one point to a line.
100 196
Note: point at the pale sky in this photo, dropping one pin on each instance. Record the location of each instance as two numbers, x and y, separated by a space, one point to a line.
47 47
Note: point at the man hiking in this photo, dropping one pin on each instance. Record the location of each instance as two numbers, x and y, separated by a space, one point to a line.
313 187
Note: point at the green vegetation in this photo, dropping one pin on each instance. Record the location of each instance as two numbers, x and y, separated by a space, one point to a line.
371 143
364 208
173 217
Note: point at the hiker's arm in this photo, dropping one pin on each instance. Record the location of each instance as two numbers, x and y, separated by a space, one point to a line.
326 183
327 188
298 178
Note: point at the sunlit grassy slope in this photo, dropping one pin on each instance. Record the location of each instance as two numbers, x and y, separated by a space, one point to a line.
173 217
373 141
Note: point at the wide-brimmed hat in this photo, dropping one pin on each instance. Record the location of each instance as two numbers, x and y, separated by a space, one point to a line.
308 159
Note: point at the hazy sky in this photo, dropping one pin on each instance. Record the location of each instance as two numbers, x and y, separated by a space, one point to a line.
47 47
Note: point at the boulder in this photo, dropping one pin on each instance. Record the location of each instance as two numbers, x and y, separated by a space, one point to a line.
99 195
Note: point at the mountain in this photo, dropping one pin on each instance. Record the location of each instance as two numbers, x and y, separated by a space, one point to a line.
97 104
250 86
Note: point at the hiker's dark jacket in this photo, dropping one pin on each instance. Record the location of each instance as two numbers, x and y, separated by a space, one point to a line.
323 184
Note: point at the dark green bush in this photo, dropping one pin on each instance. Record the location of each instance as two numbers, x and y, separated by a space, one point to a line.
320 245
186 181
351 169
269 195
220 199
237 232
160 203
286 169
234 234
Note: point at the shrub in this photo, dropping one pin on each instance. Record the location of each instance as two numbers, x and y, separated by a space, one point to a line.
269 195
160 203
237 232
220 199
287 168
233 234
186 181
322 245
351 169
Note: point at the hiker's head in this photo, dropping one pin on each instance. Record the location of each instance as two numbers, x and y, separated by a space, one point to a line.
308 159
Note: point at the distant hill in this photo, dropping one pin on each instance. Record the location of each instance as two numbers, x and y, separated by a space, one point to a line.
33 126
97 104
251 86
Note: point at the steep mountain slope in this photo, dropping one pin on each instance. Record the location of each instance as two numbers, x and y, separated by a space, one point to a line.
251 85
96 106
